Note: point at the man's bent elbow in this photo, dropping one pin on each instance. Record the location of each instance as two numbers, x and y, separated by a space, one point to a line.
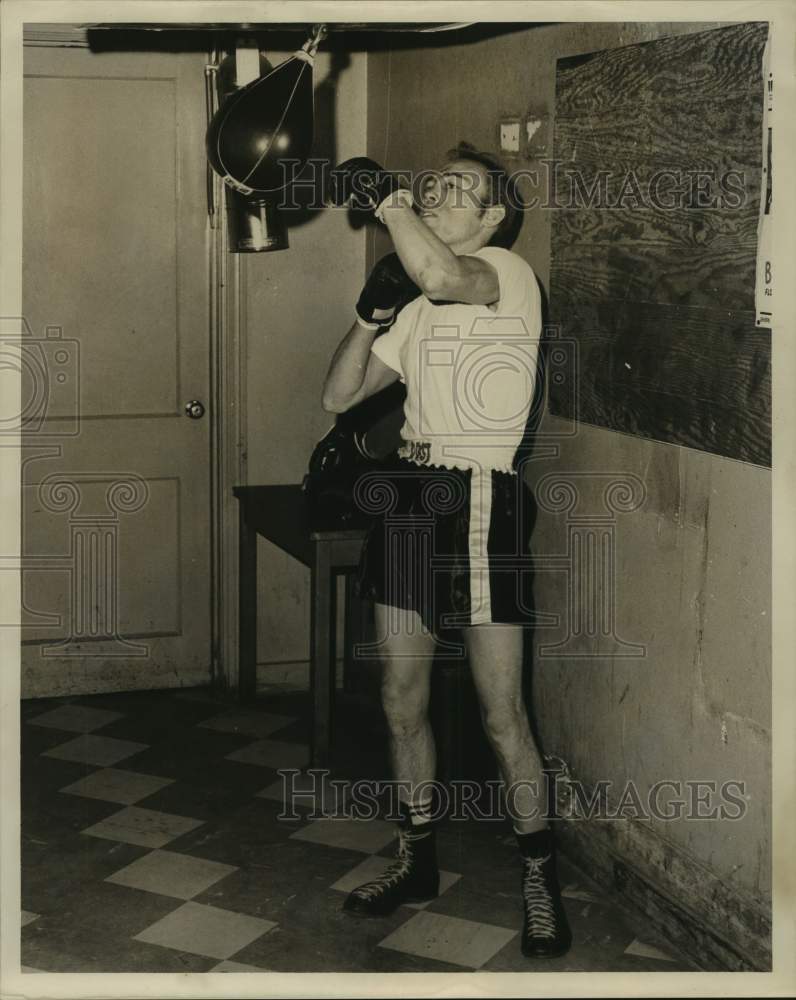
332 404
434 283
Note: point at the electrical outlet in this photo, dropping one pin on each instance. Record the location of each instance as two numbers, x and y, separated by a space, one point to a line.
510 135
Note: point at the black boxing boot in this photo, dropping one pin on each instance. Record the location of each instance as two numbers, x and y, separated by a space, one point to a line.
545 932
412 878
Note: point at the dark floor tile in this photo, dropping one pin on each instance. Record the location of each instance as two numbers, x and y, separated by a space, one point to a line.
139 703
216 794
42 776
297 731
283 881
358 763
359 739
244 838
498 903
54 818
35 740
160 722
511 959
116 956
99 909
284 703
386 960
472 849
317 936
92 930
29 707
52 877
638 963
193 755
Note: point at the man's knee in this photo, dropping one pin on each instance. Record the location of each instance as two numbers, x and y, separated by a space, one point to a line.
505 724
404 702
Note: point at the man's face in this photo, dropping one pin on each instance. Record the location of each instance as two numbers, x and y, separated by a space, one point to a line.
454 206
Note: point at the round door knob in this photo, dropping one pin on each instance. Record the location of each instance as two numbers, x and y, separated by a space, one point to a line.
195 409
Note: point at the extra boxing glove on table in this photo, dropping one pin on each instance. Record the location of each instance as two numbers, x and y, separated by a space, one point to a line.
370 432
360 440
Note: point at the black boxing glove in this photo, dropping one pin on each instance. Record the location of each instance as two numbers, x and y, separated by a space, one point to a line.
363 184
328 487
387 290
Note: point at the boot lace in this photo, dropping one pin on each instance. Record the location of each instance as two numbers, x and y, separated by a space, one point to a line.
539 909
393 874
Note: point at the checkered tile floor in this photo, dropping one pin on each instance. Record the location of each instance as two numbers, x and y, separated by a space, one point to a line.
152 842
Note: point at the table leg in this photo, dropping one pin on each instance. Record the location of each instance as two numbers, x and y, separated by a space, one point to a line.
351 633
247 608
322 653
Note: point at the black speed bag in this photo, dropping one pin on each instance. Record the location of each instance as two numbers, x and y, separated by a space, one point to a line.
261 136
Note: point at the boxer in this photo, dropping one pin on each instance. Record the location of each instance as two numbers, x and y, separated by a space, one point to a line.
479 303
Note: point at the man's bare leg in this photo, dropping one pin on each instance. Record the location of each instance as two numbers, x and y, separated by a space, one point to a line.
495 653
407 655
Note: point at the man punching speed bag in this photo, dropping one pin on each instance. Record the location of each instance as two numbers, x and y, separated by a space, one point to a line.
261 137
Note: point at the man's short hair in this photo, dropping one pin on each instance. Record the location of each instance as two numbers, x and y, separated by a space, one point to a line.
502 191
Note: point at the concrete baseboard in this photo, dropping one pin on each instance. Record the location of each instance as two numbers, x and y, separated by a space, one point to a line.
290 676
60 678
718 927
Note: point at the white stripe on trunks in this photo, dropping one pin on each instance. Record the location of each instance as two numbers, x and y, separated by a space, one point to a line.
480 520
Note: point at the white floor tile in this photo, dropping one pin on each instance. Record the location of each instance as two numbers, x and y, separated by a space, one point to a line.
170 874
255 724
367 836
448 939
75 718
143 827
110 785
101 751
374 865
205 930
272 753
642 950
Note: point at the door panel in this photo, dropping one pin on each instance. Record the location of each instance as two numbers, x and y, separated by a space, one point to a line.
116 478
102 220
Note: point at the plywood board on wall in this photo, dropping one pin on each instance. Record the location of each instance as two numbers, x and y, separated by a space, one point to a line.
657 173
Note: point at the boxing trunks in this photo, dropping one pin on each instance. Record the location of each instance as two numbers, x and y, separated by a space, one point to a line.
450 544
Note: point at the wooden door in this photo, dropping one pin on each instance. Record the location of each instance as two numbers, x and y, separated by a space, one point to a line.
116 477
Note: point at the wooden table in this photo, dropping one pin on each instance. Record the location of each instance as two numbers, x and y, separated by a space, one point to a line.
278 513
